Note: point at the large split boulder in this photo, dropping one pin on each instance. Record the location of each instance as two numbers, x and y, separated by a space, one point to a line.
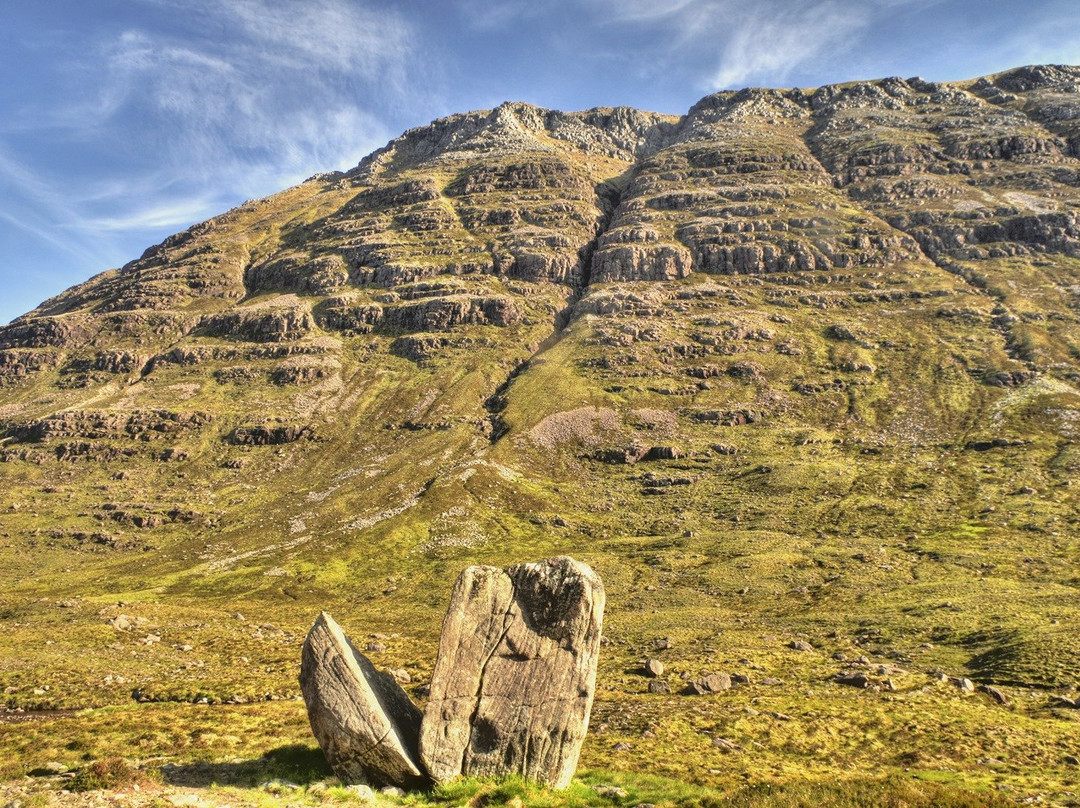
367 726
514 679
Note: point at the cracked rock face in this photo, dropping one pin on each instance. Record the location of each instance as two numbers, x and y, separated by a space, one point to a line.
365 723
514 679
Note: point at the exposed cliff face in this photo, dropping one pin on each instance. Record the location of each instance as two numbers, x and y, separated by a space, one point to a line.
754 338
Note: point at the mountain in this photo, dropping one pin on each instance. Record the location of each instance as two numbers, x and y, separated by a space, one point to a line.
800 368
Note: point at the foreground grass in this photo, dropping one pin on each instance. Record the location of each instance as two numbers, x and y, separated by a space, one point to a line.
263 754
266 782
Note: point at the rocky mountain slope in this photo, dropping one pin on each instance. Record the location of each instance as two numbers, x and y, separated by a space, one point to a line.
800 366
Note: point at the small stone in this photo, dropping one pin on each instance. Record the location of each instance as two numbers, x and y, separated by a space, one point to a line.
656 686
375 647
800 645
716 682
121 622
278 786
662 644
401 675
994 693
726 744
621 746
1071 760
740 679
852 679
771 681
965 685
392 791
654 668
610 792
361 791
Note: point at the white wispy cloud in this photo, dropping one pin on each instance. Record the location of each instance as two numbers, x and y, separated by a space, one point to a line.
776 38
273 98
742 43
168 214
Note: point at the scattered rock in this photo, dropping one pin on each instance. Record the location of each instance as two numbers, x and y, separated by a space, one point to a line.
278 787
610 792
800 645
994 693
361 792
711 683
852 679
653 668
657 686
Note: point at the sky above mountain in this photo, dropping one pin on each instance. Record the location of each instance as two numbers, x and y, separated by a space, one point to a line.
122 121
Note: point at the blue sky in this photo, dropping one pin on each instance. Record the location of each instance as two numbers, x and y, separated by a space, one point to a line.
122 121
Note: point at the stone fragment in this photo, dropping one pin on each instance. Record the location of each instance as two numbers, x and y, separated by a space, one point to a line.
658 686
653 667
513 682
716 682
852 679
800 645
711 683
994 693
367 726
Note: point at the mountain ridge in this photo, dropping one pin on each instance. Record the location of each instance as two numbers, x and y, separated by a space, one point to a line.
797 366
